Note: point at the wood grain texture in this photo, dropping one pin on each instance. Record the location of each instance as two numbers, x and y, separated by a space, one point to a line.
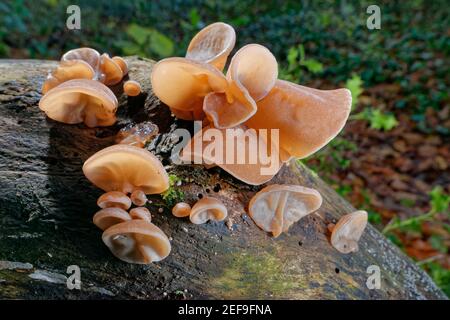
46 209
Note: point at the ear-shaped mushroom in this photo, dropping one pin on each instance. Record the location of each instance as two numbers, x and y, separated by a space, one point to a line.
141 213
68 70
212 44
126 168
251 75
108 217
348 230
181 209
132 88
246 165
114 199
276 207
111 71
182 85
137 241
89 55
307 118
208 208
122 64
138 198
81 100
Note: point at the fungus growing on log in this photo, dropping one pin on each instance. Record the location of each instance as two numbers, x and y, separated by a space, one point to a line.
181 210
138 198
137 135
347 231
126 168
137 241
208 208
276 207
108 217
114 199
212 44
132 88
141 213
68 70
80 100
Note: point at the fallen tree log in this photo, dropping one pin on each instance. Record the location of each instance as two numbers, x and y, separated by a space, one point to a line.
46 209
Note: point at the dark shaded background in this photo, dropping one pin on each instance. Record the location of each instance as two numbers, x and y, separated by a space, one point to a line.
393 157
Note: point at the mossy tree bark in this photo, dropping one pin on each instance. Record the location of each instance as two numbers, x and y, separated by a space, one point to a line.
46 209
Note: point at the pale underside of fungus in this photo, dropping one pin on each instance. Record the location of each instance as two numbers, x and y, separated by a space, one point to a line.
206 209
126 168
347 232
114 199
245 165
276 207
137 241
212 44
80 100
108 217
141 213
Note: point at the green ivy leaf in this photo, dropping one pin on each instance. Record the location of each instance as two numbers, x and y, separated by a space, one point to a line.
312 65
139 34
354 84
439 200
160 44
382 121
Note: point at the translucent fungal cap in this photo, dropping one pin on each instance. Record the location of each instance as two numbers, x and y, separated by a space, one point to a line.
81 100
212 44
347 232
108 217
206 209
137 241
307 118
126 168
276 207
114 199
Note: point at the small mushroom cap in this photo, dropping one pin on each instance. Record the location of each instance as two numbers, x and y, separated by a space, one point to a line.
348 231
111 70
141 213
121 63
108 217
212 44
80 100
132 88
276 207
182 84
89 55
181 209
126 168
250 172
252 74
137 241
208 208
138 198
307 118
114 199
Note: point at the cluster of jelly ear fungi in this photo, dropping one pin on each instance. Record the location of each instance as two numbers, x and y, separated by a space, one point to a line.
248 96
76 91
123 170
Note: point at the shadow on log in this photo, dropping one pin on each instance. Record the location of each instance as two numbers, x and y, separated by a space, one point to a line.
46 209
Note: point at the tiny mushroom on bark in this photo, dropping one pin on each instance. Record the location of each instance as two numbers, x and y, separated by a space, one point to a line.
141 213
276 207
138 198
348 230
126 168
114 199
81 100
137 241
208 208
132 88
110 70
108 217
122 64
181 209
137 134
